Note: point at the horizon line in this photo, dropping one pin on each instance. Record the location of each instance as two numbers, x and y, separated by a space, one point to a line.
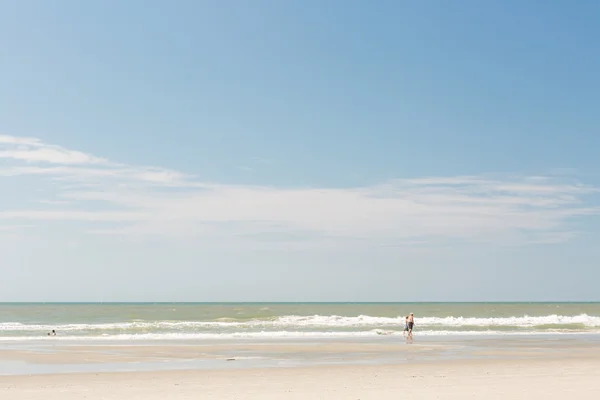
306 302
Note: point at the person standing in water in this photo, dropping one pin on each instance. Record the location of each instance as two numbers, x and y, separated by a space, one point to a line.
411 323
405 326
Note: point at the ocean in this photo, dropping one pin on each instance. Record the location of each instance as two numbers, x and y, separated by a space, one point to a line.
214 321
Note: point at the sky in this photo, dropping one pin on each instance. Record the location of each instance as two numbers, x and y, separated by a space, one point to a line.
299 150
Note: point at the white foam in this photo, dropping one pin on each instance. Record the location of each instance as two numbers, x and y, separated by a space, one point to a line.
525 321
363 320
316 321
274 335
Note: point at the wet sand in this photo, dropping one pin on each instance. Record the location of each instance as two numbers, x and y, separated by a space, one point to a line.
517 368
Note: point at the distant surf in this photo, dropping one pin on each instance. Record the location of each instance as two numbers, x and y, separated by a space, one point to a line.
298 326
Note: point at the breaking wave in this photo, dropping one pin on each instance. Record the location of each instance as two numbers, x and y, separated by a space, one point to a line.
320 321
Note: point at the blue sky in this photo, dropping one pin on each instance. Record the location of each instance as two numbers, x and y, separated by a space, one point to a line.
289 151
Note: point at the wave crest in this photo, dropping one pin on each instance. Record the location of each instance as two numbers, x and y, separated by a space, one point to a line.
318 323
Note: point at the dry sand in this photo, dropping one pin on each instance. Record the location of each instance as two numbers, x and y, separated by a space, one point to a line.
572 378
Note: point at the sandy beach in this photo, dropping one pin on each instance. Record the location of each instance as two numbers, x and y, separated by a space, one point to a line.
305 351
492 369
575 378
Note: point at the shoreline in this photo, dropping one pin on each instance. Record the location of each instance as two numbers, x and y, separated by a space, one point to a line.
48 357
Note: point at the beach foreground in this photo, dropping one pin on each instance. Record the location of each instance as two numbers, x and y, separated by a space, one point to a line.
575 378
299 351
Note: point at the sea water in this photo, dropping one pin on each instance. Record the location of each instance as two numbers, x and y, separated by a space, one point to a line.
215 321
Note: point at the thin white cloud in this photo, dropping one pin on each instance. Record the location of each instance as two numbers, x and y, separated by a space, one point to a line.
34 150
73 215
50 155
141 201
15 140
